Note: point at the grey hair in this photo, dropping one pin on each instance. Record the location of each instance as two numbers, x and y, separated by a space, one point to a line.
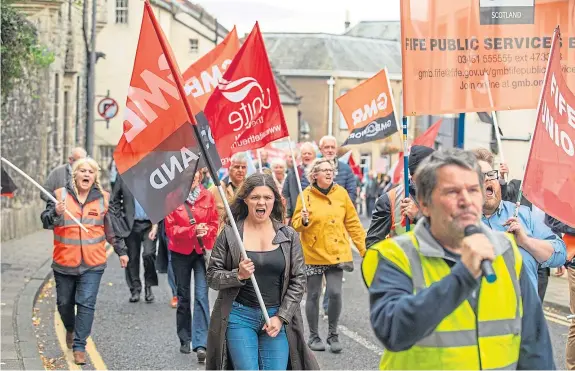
426 174
278 161
313 168
308 145
325 138
239 157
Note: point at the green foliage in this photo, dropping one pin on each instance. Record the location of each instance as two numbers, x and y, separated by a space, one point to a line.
20 48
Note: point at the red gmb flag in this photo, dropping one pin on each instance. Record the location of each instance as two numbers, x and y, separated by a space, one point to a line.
426 139
549 181
157 154
368 110
244 112
202 77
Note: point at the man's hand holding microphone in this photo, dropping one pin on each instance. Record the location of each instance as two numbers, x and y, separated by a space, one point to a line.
477 253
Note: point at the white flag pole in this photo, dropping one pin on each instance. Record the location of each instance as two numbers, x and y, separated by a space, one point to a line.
48 194
495 122
244 253
304 208
260 160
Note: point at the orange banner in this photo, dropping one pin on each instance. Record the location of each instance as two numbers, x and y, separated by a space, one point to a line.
550 174
202 77
368 110
455 52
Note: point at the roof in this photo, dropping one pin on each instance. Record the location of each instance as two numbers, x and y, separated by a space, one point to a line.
320 54
384 30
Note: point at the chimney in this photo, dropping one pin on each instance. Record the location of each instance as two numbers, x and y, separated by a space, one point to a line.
347 22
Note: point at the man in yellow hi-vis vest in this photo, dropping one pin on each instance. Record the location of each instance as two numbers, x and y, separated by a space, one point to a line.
430 306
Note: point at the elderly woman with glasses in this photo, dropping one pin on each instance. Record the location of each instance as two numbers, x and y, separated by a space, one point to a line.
324 226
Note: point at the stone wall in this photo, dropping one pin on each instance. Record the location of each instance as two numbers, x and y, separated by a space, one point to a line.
45 115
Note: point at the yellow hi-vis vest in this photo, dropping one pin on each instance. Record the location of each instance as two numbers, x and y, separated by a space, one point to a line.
489 340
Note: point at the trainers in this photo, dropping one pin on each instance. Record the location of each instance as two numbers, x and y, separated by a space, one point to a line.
201 353
316 344
174 302
334 344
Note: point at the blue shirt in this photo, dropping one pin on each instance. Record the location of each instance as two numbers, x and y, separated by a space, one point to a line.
139 214
534 229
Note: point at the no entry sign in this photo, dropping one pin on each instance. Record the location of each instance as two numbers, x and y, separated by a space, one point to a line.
108 108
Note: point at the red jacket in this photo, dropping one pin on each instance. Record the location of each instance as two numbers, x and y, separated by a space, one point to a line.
182 236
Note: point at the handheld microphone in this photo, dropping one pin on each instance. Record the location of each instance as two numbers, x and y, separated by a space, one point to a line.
486 267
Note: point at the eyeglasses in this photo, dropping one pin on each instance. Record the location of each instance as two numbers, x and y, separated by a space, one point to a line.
325 171
491 175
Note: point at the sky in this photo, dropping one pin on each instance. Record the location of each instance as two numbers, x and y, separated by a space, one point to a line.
298 15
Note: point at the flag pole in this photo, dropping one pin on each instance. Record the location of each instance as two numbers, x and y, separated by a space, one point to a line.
305 222
48 194
495 122
260 160
180 86
520 193
405 166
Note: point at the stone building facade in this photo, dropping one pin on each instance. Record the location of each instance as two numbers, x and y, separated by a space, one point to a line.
43 118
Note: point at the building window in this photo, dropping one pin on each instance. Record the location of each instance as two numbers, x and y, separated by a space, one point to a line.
194 45
342 123
122 11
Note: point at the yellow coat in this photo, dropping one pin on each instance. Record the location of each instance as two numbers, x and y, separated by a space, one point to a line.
324 240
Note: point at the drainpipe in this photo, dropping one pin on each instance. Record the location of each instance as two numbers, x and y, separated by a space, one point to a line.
330 83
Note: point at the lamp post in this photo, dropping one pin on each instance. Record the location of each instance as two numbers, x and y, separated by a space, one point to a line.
330 83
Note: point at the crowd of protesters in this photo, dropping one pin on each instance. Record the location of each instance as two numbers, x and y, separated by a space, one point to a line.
299 244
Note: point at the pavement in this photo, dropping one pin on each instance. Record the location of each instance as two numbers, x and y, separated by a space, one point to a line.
143 336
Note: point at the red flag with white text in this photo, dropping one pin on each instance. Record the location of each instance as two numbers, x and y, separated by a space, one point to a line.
157 154
426 139
549 181
245 112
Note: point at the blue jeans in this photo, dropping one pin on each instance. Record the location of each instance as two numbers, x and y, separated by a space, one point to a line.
183 265
171 276
81 292
249 346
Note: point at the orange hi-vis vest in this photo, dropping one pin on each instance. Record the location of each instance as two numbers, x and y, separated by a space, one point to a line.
74 247
569 240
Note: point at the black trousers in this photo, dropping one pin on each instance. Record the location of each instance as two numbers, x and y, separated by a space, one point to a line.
542 281
138 238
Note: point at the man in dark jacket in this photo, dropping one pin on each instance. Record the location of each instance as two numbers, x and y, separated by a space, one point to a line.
132 224
290 190
380 225
344 177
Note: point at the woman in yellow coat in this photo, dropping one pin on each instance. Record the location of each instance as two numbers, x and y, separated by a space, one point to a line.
327 251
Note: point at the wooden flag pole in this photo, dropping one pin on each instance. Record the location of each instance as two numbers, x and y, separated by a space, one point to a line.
48 194
495 123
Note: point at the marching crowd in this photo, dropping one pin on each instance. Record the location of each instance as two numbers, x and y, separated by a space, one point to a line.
429 305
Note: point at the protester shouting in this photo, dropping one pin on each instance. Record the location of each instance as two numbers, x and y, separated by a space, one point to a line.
239 337
80 257
429 305
191 231
537 242
330 214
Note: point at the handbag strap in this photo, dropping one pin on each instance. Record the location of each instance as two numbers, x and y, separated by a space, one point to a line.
191 216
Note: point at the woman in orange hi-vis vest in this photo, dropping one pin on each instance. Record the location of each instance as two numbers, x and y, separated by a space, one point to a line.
79 258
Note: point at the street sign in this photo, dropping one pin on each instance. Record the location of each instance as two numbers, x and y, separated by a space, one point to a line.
108 108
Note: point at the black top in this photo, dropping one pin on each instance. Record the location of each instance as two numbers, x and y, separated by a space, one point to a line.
269 272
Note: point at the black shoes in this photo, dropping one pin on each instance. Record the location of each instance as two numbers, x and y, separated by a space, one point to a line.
185 348
135 297
149 294
201 353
